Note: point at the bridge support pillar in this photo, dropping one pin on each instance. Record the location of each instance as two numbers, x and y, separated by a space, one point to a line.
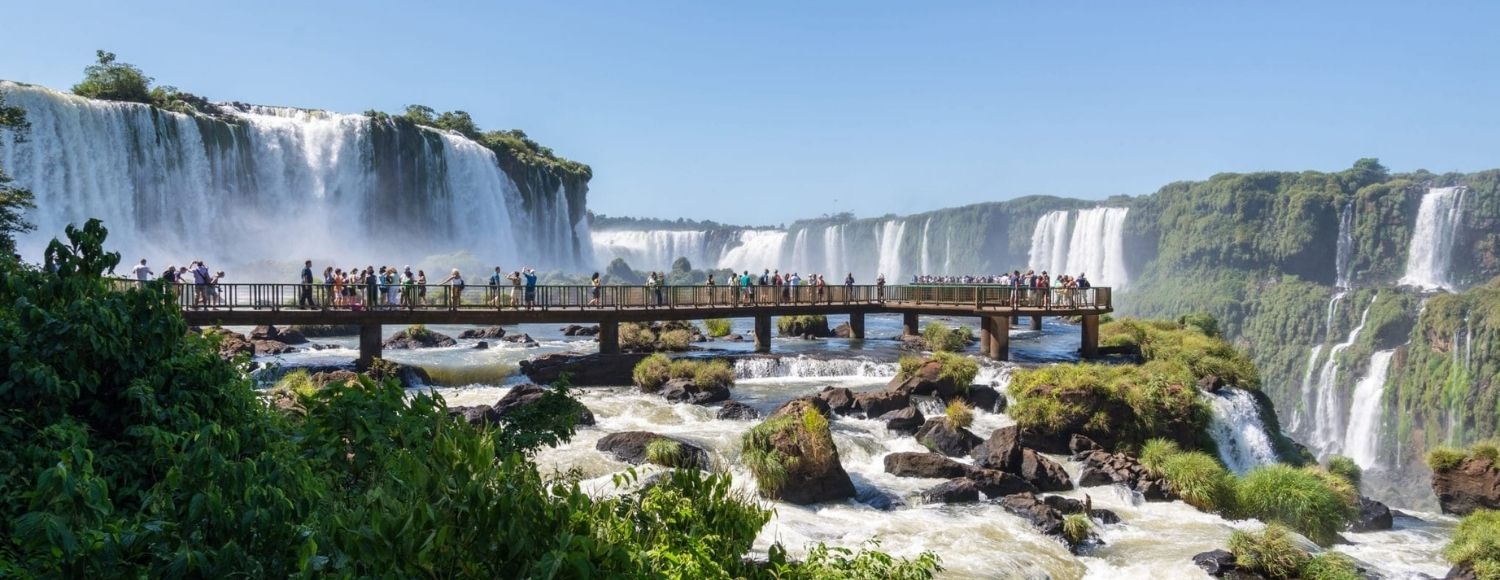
909 324
857 325
984 335
763 333
1090 347
369 345
609 337
1015 321
999 337
1036 323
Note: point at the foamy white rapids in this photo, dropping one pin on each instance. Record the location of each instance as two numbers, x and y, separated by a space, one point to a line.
980 540
276 184
802 367
1238 430
1429 258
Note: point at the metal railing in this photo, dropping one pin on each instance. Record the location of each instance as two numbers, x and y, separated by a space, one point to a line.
505 297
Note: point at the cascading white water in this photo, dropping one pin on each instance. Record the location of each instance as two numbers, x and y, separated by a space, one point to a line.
1095 245
1429 258
275 185
801 253
809 367
651 249
1343 281
834 249
926 257
1049 243
758 250
1362 439
1344 252
1328 410
889 240
1238 430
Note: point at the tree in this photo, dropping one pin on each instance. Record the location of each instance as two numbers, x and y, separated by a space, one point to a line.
681 264
419 114
13 200
114 81
459 121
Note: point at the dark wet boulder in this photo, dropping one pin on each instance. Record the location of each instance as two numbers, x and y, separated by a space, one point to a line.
983 398
522 339
878 403
688 391
417 338
231 344
843 331
1080 444
737 411
1471 484
1001 451
1044 473
1070 506
941 436
930 465
840 400
1104 468
522 396
1373 516
927 380
324 330
488 332
268 347
906 420
796 405
1041 516
812 470
632 447
588 370
1216 562
997 484
957 490
1047 442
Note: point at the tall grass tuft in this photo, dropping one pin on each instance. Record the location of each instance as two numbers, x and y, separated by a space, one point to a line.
1155 453
1476 543
958 369
717 327
940 338
1444 458
1200 481
675 340
665 452
1345 468
1330 566
959 414
760 455
1076 528
1272 552
714 373
652 372
1297 498
909 365
636 337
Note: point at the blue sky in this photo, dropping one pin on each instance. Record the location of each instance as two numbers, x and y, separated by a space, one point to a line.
765 112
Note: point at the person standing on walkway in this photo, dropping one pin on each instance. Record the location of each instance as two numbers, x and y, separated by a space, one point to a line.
594 290
306 299
880 288
530 276
455 290
515 289
142 272
495 286
848 287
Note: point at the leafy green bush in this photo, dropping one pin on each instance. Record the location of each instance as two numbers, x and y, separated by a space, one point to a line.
1445 458
1272 552
675 340
958 369
833 563
958 414
717 327
940 338
1476 544
652 372
1200 480
1345 468
1297 498
636 338
1076 528
114 81
664 452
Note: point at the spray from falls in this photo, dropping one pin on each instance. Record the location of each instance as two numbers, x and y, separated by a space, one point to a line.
757 250
1429 258
890 238
1362 439
276 185
1095 245
650 249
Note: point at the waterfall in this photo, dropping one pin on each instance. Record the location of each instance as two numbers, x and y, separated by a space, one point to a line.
1430 255
926 257
889 241
1295 426
1095 245
651 249
1362 440
833 249
808 367
757 250
801 253
1345 249
1049 242
1327 413
274 185
1238 431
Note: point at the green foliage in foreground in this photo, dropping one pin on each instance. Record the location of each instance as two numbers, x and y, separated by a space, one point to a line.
1346 469
717 327
1272 552
132 450
1301 499
1476 544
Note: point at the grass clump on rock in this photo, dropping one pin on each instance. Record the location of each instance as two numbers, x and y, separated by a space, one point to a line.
419 333
1272 552
1476 544
1445 458
674 340
1200 481
637 337
941 338
665 452
1346 469
1300 499
652 372
959 414
1076 528
717 327
760 455
655 370
958 368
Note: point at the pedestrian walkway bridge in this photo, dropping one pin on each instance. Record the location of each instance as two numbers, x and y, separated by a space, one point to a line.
370 308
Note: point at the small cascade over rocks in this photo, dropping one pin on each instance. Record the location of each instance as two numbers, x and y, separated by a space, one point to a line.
1095 245
263 183
1328 406
1362 439
1429 258
802 366
1238 430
